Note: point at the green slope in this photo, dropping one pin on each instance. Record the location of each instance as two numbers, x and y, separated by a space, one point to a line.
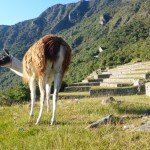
124 36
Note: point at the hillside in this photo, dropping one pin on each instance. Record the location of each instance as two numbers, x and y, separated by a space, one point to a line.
119 27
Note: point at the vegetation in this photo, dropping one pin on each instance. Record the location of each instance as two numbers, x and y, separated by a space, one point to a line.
123 41
18 94
74 94
124 36
17 132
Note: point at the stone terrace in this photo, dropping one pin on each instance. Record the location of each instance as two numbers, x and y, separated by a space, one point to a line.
122 80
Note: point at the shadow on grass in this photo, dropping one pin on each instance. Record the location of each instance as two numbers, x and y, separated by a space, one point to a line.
137 109
47 122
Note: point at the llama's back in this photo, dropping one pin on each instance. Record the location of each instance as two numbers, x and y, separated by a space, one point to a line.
46 49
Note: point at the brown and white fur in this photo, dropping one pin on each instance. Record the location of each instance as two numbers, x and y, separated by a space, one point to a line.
47 60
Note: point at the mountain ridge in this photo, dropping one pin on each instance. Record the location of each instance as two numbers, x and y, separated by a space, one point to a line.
123 33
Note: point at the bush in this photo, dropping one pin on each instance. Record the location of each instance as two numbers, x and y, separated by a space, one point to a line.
18 94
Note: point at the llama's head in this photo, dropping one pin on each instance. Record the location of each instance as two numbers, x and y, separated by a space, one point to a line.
6 59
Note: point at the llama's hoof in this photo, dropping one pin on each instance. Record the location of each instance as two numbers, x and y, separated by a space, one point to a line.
53 123
31 116
37 123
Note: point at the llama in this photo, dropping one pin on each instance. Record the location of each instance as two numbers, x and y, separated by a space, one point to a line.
46 60
8 61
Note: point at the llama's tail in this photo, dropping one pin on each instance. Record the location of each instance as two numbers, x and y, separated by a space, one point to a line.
52 46
67 55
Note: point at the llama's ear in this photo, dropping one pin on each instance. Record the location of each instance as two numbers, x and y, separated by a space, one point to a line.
5 60
6 51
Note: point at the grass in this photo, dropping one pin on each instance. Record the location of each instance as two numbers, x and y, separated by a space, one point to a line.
17 132
74 94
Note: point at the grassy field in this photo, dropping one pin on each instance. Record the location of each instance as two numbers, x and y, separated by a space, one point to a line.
73 116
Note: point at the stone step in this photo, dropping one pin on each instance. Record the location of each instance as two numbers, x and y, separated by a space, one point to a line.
102 76
86 84
120 91
138 65
126 70
90 77
77 89
132 67
143 76
117 72
91 80
111 84
117 80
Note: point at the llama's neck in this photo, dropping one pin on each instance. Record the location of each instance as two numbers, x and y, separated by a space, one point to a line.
16 66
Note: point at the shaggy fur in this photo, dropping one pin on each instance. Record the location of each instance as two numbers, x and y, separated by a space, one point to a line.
47 60
46 49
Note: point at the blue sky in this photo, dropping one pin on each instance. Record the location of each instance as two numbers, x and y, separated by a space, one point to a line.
14 11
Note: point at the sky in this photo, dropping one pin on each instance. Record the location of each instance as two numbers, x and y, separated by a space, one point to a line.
14 11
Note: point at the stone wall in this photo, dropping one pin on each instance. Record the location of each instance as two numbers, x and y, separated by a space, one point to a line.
147 88
115 91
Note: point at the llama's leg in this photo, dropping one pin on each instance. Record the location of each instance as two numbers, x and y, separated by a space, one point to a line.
48 90
32 86
49 78
58 75
42 98
57 83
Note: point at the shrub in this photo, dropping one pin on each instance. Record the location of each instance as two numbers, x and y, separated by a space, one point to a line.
18 94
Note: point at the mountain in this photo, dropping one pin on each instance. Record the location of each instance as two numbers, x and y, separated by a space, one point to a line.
119 28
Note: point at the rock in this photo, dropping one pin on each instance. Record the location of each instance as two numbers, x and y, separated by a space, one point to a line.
101 121
131 126
114 120
78 12
108 100
100 49
140 85
118 22
147 88
145 127
102 20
